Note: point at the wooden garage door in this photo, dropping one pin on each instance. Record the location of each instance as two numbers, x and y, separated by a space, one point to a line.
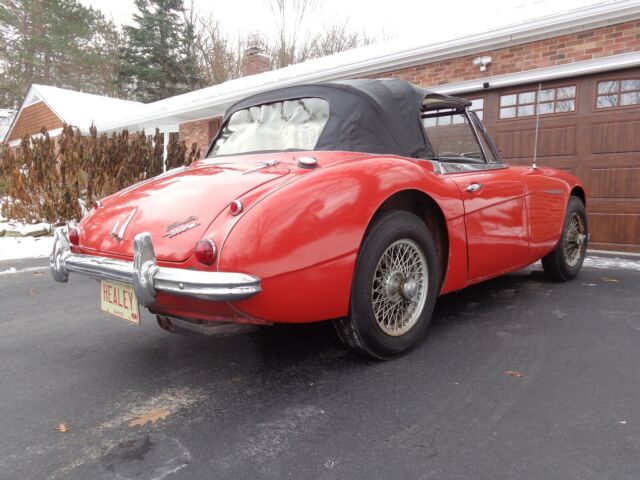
591 128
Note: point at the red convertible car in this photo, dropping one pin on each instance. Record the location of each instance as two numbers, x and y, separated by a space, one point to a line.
355 201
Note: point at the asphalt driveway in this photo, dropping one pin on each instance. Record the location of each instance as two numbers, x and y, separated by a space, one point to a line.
518 378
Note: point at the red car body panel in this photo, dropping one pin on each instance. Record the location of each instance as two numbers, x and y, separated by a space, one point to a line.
301 229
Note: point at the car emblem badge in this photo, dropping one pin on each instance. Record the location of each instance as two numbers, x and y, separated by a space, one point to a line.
118 233
180 227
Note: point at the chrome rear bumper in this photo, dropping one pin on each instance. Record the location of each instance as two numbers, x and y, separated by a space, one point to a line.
147 277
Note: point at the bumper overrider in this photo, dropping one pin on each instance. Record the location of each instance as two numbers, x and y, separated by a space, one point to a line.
147 277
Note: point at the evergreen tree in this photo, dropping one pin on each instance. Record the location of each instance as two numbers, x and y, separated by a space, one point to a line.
55 42
158 59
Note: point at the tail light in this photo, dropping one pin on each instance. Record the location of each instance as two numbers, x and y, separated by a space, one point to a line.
74 236
205 251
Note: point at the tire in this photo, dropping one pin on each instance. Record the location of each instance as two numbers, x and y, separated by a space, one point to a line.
391 304
565 261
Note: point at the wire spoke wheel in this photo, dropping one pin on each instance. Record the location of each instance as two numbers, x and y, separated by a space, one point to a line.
574 239
400 287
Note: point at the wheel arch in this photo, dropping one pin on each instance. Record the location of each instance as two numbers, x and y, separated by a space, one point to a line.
579 192
427 209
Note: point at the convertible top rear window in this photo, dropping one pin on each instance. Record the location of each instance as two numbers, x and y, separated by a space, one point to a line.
286 125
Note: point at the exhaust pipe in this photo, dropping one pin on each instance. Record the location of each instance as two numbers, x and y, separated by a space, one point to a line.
201 328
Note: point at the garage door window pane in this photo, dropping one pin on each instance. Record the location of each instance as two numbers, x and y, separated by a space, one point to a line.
527 97
508 112
547 95
607 87
525 110
429 122
606 101
444 120
629 85
507 100
546 107
566 92
632 98
477 104
566 106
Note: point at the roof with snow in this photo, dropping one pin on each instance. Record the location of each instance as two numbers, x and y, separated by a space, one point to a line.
6 117
81 109
78 108
391 55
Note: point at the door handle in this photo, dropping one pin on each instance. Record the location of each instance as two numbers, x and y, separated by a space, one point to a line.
474 187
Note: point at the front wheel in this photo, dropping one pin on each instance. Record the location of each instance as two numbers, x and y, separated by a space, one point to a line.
565 261
394 289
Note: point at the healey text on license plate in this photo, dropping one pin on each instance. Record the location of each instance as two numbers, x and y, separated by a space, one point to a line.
119 299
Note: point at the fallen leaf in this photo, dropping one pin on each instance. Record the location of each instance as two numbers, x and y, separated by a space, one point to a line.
153 416
62 428
33 292
609 280
38 274
515 373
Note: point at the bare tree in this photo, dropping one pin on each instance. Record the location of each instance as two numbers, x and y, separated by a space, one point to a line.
337 38
219 58
289 47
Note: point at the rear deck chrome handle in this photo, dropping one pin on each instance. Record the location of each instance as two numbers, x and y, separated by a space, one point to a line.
474 187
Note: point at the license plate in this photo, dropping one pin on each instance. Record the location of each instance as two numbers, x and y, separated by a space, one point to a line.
119 300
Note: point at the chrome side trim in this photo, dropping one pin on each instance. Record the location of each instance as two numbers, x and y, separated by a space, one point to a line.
147 277
446 167
124 226
269 163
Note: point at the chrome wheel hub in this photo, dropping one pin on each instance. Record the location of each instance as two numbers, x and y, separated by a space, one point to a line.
575 240
400 285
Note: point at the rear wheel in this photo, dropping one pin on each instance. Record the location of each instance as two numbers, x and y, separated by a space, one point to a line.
394 289
565 261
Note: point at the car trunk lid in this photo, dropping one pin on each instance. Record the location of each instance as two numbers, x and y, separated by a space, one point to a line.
176 208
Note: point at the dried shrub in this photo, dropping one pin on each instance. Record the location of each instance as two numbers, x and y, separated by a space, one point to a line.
50 179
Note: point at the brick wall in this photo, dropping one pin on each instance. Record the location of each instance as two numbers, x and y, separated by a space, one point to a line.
254 62
200 132
575 47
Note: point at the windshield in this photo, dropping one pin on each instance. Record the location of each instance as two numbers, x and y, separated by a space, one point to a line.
288 125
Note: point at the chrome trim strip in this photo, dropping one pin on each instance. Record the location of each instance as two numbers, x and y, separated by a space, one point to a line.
447 168
124 226
477 133
147 277
269 163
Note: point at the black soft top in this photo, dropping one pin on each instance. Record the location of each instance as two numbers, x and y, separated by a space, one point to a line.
369 116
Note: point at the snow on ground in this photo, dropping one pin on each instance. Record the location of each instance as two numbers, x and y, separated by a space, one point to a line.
13 248
19 240
612 263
